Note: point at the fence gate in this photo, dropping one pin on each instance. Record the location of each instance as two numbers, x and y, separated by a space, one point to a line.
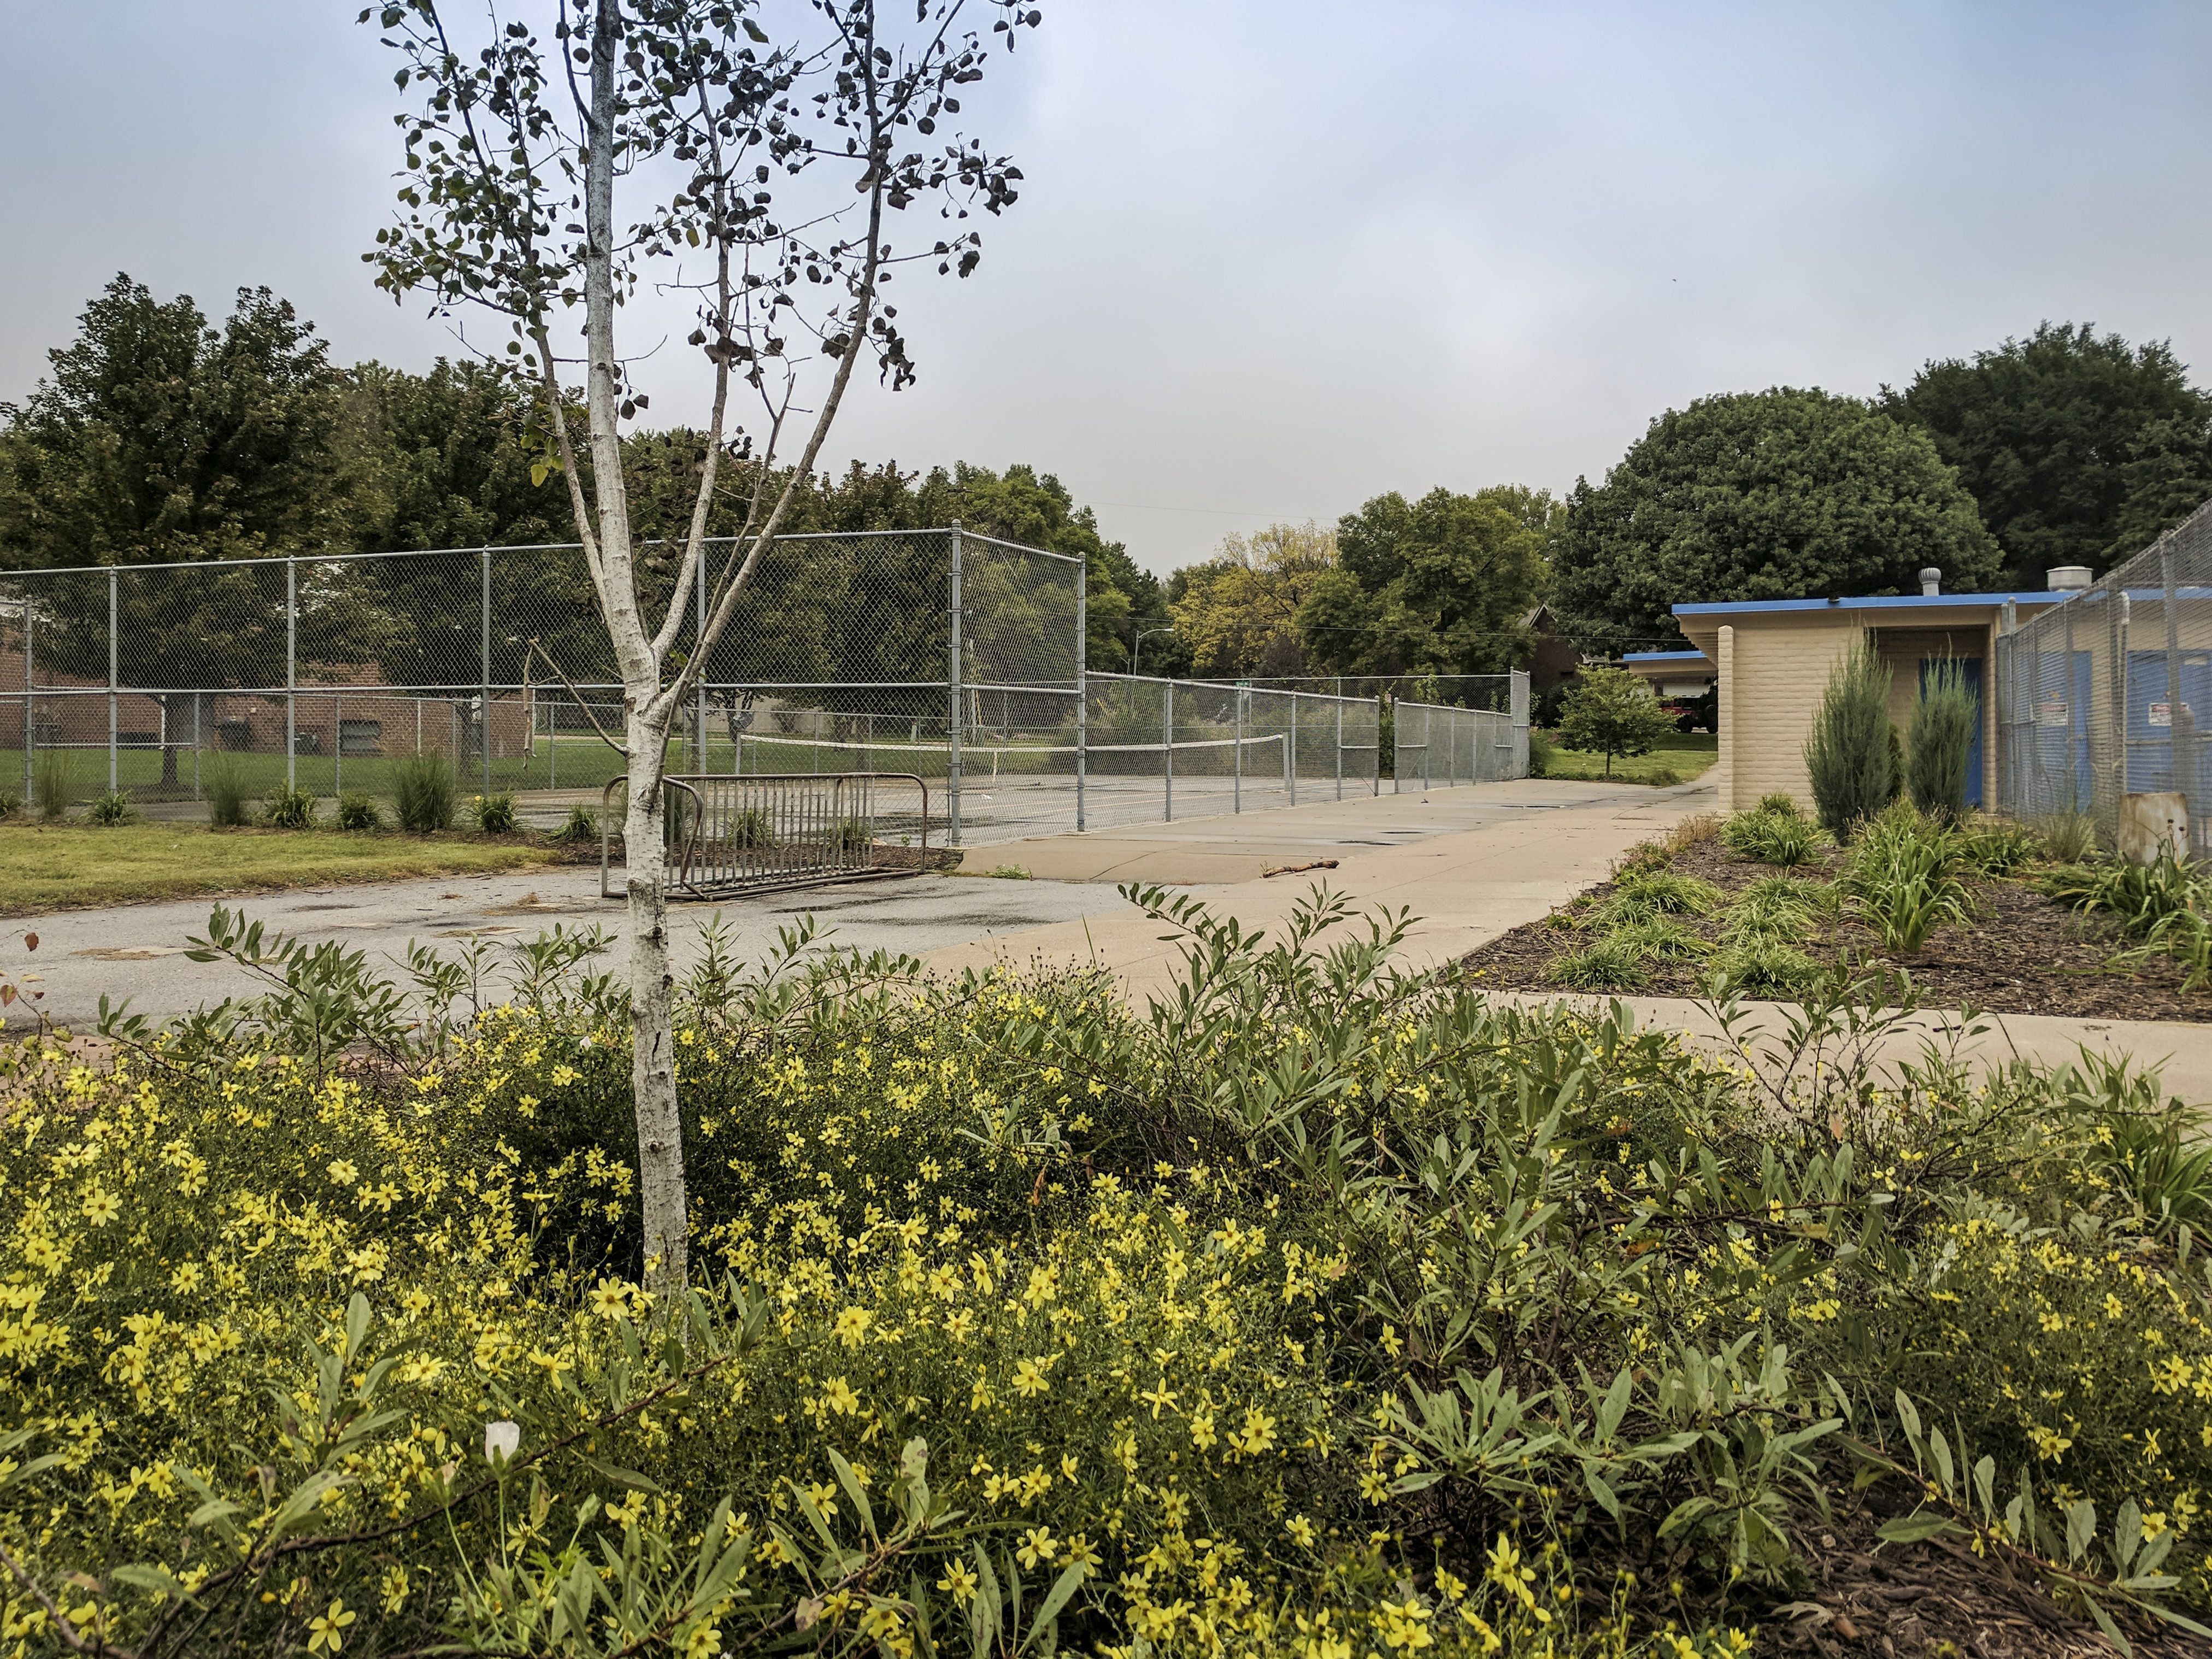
731 836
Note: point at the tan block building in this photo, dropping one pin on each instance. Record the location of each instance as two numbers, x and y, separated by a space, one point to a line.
1773 658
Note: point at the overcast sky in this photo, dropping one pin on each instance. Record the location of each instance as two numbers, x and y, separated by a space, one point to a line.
1274 257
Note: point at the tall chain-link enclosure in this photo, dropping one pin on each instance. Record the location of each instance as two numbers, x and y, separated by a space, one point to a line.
941 653
2109 693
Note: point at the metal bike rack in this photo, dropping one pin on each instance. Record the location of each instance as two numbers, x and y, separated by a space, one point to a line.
763 832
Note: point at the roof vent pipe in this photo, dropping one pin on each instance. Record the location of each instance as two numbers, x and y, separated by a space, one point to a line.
1931 582
2066 578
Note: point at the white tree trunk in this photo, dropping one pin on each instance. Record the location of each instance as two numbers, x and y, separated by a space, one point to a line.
653 992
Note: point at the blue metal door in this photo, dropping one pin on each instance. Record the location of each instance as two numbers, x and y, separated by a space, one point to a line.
2151 717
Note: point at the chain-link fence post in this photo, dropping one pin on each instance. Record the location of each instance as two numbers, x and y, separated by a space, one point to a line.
699 646
1516 705
483 664
1237 793
952 751
1167 754
1082 684
114 617
291 673
30 701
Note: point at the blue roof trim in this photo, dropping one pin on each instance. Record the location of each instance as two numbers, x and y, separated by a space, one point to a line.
1663 656
1879 602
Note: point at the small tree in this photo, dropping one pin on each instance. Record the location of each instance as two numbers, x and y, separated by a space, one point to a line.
1848 755
1612 712
1943 742
559 146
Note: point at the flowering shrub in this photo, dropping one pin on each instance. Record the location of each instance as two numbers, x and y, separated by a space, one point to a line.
1313 1310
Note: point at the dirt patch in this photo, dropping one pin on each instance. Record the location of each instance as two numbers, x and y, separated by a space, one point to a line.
2023 953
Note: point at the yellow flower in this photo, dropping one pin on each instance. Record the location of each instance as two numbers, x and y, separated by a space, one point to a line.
958 1583
1038 1547
344 1172
852 1327
609 1299
1300 1532
327 1630
838 1396
395 1588
1030 1378
101 1206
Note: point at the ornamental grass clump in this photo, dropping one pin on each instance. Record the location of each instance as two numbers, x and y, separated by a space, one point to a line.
1772 834
1312 1308
1850 754
1945 720
1902 880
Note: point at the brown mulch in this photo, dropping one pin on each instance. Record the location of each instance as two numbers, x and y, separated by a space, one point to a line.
1920 1601
2023 954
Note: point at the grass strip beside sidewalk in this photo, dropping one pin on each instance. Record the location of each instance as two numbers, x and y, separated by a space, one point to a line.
70 866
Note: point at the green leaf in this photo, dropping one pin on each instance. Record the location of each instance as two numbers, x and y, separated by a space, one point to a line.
2081 1527
622 1477
1911 1528
851 1483
1069 1581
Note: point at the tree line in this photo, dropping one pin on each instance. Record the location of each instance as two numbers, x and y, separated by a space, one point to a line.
161 436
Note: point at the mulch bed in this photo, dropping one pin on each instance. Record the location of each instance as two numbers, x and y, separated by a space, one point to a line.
2023 953
1935 1600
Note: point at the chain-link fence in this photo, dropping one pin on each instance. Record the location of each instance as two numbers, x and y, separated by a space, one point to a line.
2107 693
1484 740
950 655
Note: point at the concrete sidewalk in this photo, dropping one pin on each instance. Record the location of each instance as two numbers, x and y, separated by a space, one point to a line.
137 951
1471 863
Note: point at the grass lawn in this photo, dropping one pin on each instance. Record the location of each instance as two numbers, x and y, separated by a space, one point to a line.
68 866
1677 760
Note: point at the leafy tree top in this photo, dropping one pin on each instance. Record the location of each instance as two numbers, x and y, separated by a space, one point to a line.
1441 585
1775 494
2079 447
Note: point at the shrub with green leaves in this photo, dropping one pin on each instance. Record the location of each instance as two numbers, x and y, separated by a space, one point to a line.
2067 837
222 780
1778 835
110 809
1848 755
53 784
424 792
10 803
1902 880
1998 847
494 814
288 807
1762 965
359 811
1945 720
1642 894
579 826
1612 962
1311 1297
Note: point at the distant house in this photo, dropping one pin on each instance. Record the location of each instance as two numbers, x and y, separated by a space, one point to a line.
1555 659
1675 675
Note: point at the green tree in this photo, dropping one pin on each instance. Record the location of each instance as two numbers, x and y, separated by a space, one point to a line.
1237 613
535 164
1438 585
1778 495
158 438
1611 712
2078 447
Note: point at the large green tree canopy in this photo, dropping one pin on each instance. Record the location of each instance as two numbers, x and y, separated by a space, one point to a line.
1776 494
2079 447
1440 585
157 436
